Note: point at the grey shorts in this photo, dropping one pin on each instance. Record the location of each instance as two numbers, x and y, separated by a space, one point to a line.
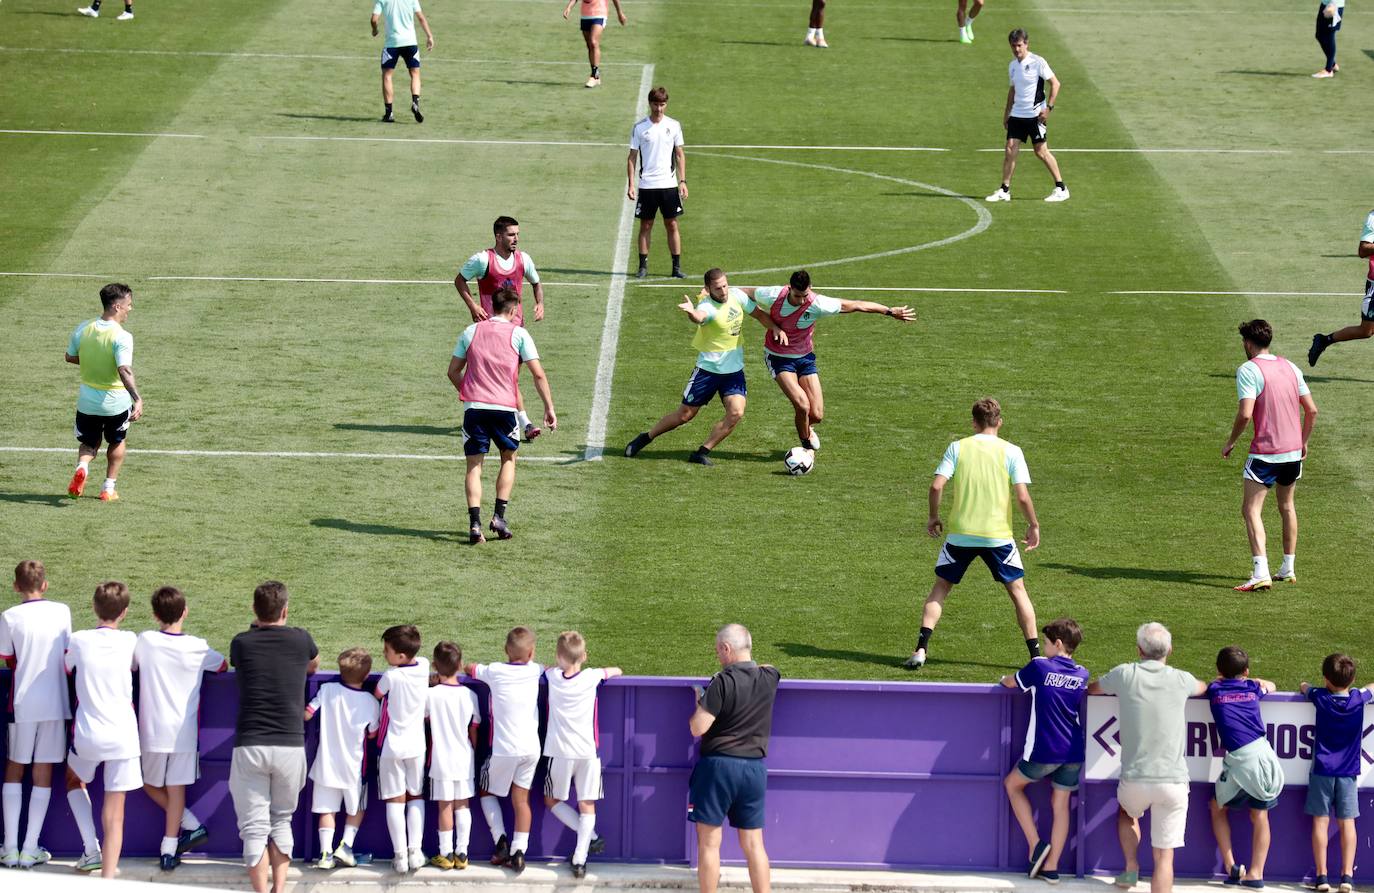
265 783
1327 794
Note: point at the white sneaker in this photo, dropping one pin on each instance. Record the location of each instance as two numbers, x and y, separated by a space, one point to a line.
30 858
820 42
89 862
815 440
810 40
401 863
344 856
1060 194
593 82
87 11
124 16
917 660
10 858
417 860
1001 195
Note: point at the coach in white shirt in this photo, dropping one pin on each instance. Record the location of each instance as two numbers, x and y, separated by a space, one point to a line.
656 155
1027 114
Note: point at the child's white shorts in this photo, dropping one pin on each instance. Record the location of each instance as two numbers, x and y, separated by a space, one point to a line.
565 773
499 773
120 775
400 776
327 800
37 742
162 769
450 788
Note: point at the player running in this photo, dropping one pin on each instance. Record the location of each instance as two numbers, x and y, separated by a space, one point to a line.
1027 114
109 398
401 16
795 309
719 317
593 21
503 266
1365 328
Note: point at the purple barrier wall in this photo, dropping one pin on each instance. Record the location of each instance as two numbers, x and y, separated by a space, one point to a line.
861 775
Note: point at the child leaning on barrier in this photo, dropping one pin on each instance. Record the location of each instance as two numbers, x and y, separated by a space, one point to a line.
348 717
1055 743
1336 764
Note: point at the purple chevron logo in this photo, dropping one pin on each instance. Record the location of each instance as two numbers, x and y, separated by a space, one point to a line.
1364 753
1106 740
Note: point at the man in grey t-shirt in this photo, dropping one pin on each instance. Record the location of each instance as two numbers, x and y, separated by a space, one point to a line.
1151 700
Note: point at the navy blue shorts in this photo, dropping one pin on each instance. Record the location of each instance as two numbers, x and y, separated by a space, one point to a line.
1326 793
91 428
703 385
1285 474
1003 561
1367 306
799 366
1064 776
727 788
392 55
482 427
588 23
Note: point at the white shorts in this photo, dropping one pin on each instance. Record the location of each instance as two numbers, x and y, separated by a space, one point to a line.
120 775
162 769
451 789
398 777
38 742
499 773
1168 806
327 800
565 773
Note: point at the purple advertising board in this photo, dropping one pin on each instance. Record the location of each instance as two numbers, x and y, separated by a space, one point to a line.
860 775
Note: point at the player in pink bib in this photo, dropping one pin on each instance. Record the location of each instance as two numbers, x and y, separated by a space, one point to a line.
593 22
1275 398
795 309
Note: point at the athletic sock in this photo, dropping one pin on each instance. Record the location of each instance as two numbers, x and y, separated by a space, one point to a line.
350 834
596 71
415 824
38 808
12 797
677 262
415 99
388 108
643 261
1006 187
109 485
462 829
523 418
95 5
84 465
189 822
445 841
519 841
1259 567
811 33
565 814
80 803
501 507
586 830
1287 567
703 450
1059 184
923 640
475 515
128 7
820 34
168 847
1033 646
491 811
326 841
396 827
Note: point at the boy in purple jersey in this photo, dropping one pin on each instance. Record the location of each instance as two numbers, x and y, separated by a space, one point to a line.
1055 741
1336 764
1251 776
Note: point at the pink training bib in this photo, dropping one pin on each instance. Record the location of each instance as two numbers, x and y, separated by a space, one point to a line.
798 339
493 279
1278 423
493 366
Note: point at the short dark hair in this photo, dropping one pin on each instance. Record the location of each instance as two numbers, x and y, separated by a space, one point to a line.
111 599
1257 331
403 638
30 575
503 298
114 292
354 665
1339 669
269 601
169 604
658 94
713 274
520 643
800 281
1017 35
987 412
1232 661
503 223
1066 631
448 657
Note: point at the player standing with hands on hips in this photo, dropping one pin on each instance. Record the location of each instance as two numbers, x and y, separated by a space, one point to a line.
1027 114
656 154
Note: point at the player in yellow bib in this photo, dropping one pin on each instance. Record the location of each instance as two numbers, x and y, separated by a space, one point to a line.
983 473
109 398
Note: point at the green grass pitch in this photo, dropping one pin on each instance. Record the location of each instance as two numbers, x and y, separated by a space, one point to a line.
1121 401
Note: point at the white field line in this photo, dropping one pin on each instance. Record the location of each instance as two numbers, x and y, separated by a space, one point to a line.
177 136
1251 294
1176 151
321 57
912 288
290 454
615 300
65 276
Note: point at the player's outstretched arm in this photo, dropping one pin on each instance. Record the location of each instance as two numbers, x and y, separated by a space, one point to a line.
695 315
904 314
541 385
1023 502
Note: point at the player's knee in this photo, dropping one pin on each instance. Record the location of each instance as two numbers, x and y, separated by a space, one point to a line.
733 416
550 802
1367 328
686 414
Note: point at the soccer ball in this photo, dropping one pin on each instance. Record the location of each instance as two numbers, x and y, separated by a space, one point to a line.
799 460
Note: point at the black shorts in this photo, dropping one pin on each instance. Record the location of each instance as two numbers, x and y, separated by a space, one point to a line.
666 200
90 429
392 55
588 24
1022 129
483 427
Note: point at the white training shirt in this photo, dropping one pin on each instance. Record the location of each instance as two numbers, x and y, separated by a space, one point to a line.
452 709
170 669
572 731
514 707
1028 77
655 144
35 634
347 715
403 712
103 660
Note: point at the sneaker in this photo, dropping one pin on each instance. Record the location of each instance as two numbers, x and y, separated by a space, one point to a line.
1324 74
633 447
1236 876
1254 584
1127 879
810 40
475 535
169 861
109 496
441 862
501 854
499 527
1320 343
597 846
1049 877
1321 884
1289 577
643 273
1001 195
1347 883
964 36
678 274
459 860
815 442
388 118
532 431
699 459
917 660
1256 884
124 16
579 871
968 29
417 859
37 856
343 855
10 859
820 42
415 110
400 863
592 82
1060 194
188 839
517 861
87 11
78 483
89 862
1039 854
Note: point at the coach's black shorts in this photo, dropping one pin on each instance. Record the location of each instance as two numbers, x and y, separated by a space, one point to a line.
392 55
90 429
651 200
1023 129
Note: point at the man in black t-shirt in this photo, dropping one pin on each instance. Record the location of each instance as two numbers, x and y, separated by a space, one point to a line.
734 719
272 662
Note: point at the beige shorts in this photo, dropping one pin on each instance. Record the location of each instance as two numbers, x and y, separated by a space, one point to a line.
1168 806
120 775
500 772
396 778
162 769
37 742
